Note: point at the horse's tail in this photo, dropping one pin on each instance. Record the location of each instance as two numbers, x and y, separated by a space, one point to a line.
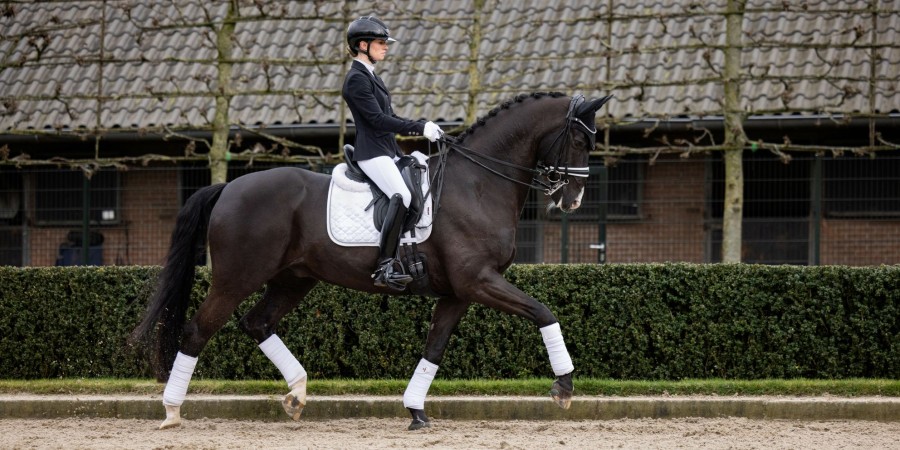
163 322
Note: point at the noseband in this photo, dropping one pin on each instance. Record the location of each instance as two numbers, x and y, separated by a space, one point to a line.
556 175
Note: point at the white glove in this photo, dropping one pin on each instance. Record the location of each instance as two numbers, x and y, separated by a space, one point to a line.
432 131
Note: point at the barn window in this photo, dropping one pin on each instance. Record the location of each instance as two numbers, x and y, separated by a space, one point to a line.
862 187
59 197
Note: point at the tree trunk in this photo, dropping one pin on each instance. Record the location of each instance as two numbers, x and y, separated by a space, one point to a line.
733 209
218 153
473 71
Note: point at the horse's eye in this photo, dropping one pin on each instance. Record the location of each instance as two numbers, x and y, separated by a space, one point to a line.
580 141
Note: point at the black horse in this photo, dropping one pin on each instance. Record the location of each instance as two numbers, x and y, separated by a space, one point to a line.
268 229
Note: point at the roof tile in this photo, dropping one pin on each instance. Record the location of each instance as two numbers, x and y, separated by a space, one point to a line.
659 57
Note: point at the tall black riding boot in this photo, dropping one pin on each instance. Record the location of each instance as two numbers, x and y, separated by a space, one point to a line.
387 274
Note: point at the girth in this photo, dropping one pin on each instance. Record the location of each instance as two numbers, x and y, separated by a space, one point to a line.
410 170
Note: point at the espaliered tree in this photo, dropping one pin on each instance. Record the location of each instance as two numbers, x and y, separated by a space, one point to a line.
224 67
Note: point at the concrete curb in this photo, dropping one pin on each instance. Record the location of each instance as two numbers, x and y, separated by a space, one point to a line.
268 408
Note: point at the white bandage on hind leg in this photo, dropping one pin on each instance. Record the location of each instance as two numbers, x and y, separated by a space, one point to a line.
560 360
414 396
179 378
283 359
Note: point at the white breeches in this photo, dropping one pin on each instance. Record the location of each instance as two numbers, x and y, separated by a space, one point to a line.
386 176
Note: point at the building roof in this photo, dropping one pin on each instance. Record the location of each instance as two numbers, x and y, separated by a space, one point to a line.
140 65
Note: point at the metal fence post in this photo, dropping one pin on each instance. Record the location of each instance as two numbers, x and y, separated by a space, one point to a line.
815 211
603 207
86 220
564 239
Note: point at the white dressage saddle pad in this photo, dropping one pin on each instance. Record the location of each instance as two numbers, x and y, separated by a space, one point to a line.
351 225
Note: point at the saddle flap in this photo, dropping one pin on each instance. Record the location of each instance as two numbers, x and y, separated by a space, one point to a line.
351 219
410 169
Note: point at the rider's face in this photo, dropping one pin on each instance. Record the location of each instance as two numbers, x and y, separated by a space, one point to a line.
377 49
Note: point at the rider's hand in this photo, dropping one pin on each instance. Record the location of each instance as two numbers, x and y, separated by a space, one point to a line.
432 131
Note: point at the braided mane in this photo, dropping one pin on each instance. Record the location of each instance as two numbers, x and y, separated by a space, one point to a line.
505 105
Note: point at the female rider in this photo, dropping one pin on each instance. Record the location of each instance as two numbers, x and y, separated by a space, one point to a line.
376 148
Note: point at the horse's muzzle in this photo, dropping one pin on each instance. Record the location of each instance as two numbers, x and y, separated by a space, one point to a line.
567 204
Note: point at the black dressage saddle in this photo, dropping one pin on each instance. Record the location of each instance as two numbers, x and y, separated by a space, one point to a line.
411 171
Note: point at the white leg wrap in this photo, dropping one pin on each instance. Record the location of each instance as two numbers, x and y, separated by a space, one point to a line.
414 397
283 359
179 378
560 360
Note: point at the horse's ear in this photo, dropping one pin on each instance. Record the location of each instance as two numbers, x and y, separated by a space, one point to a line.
589 109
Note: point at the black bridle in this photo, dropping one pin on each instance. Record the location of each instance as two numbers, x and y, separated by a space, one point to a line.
556 175
559 171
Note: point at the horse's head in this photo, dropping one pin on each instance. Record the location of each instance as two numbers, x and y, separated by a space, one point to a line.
565 158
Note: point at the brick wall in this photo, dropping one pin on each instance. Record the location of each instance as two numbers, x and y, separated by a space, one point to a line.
860 242
671 224
670 227
45 244
149 204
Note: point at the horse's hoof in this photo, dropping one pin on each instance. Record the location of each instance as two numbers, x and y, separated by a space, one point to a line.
173 417
293 406
419 420
418 425
295 401
562 391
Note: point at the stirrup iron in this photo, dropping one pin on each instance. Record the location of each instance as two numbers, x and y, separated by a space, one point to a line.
389 272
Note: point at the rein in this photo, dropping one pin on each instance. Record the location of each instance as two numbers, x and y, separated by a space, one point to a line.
448 143
556 175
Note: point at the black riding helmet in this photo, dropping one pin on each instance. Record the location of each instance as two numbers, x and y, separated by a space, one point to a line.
366 28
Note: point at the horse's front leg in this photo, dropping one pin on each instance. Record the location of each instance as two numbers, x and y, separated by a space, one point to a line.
447 314
563 387
492 290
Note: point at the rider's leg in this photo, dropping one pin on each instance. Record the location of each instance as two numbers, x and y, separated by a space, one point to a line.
386 274
385 174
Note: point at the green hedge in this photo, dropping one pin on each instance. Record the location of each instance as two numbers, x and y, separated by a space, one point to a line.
642 321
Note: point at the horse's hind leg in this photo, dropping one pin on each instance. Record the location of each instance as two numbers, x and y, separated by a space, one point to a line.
447 314
280 298
212 314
